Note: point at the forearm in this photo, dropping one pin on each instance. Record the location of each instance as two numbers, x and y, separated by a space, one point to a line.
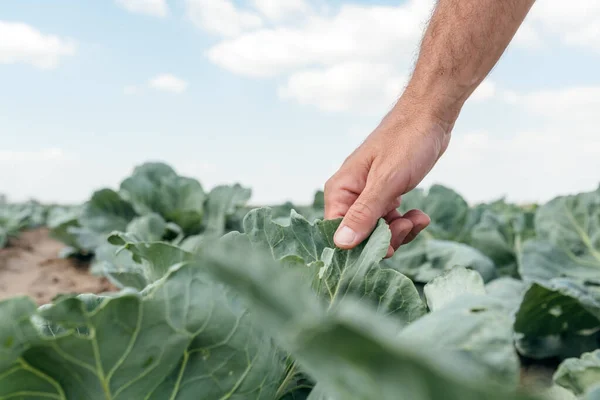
463 42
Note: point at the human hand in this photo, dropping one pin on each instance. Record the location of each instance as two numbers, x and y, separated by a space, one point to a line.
393 160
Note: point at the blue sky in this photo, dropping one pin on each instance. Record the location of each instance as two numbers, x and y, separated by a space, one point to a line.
274 94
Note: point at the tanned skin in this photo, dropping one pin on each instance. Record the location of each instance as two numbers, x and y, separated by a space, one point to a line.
462 43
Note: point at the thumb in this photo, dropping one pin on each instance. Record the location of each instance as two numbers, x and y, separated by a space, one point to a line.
361 219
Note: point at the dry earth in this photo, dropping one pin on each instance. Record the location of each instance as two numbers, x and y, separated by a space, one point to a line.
31 266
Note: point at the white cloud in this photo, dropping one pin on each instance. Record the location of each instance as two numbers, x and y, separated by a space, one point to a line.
221 17
575 104
576 23
560 156
388 34
168 83
527 36
280 9
156 8
527 167
22 43
353 86
486 90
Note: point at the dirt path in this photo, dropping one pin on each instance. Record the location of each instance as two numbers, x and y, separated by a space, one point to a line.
30 265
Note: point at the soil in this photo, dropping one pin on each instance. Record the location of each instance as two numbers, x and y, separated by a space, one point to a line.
30 266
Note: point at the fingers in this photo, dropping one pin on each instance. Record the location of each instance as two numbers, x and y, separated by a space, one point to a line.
342 190
400 229
361 197
419 220
337 201
361 218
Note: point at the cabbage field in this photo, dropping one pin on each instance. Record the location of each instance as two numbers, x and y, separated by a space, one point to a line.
210 297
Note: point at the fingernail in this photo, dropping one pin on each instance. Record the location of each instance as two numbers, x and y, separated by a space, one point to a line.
344 236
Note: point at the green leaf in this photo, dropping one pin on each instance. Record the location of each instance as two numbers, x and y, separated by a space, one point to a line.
336 273
152 260
351 351
119 267
156 187
509 291
594 393
474 327
557 307
60 220
105 212
150 227
558 346
500 236
426 258
563 263
193 244
185 338
18 336
568 243
87 229
452 284
579 375
446 208
222 202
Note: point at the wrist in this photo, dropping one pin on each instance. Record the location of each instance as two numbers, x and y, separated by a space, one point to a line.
434 115
418 116
432 101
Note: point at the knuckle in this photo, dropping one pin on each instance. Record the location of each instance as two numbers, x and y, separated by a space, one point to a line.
330 184
360 213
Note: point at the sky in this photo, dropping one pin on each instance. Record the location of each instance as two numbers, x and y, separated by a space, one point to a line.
275 94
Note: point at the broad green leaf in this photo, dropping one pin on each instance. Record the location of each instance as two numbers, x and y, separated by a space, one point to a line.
185 338
60 220
452 284
579 375
557 307
335 273
18 378
509 291
105 212
573 223
568 243
593 394
475 331
563 263
150 227
425 258
558 346
349 349
500 237
222 202
193 244
319 393
152 260
119 267
556 392
447 209
156 187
